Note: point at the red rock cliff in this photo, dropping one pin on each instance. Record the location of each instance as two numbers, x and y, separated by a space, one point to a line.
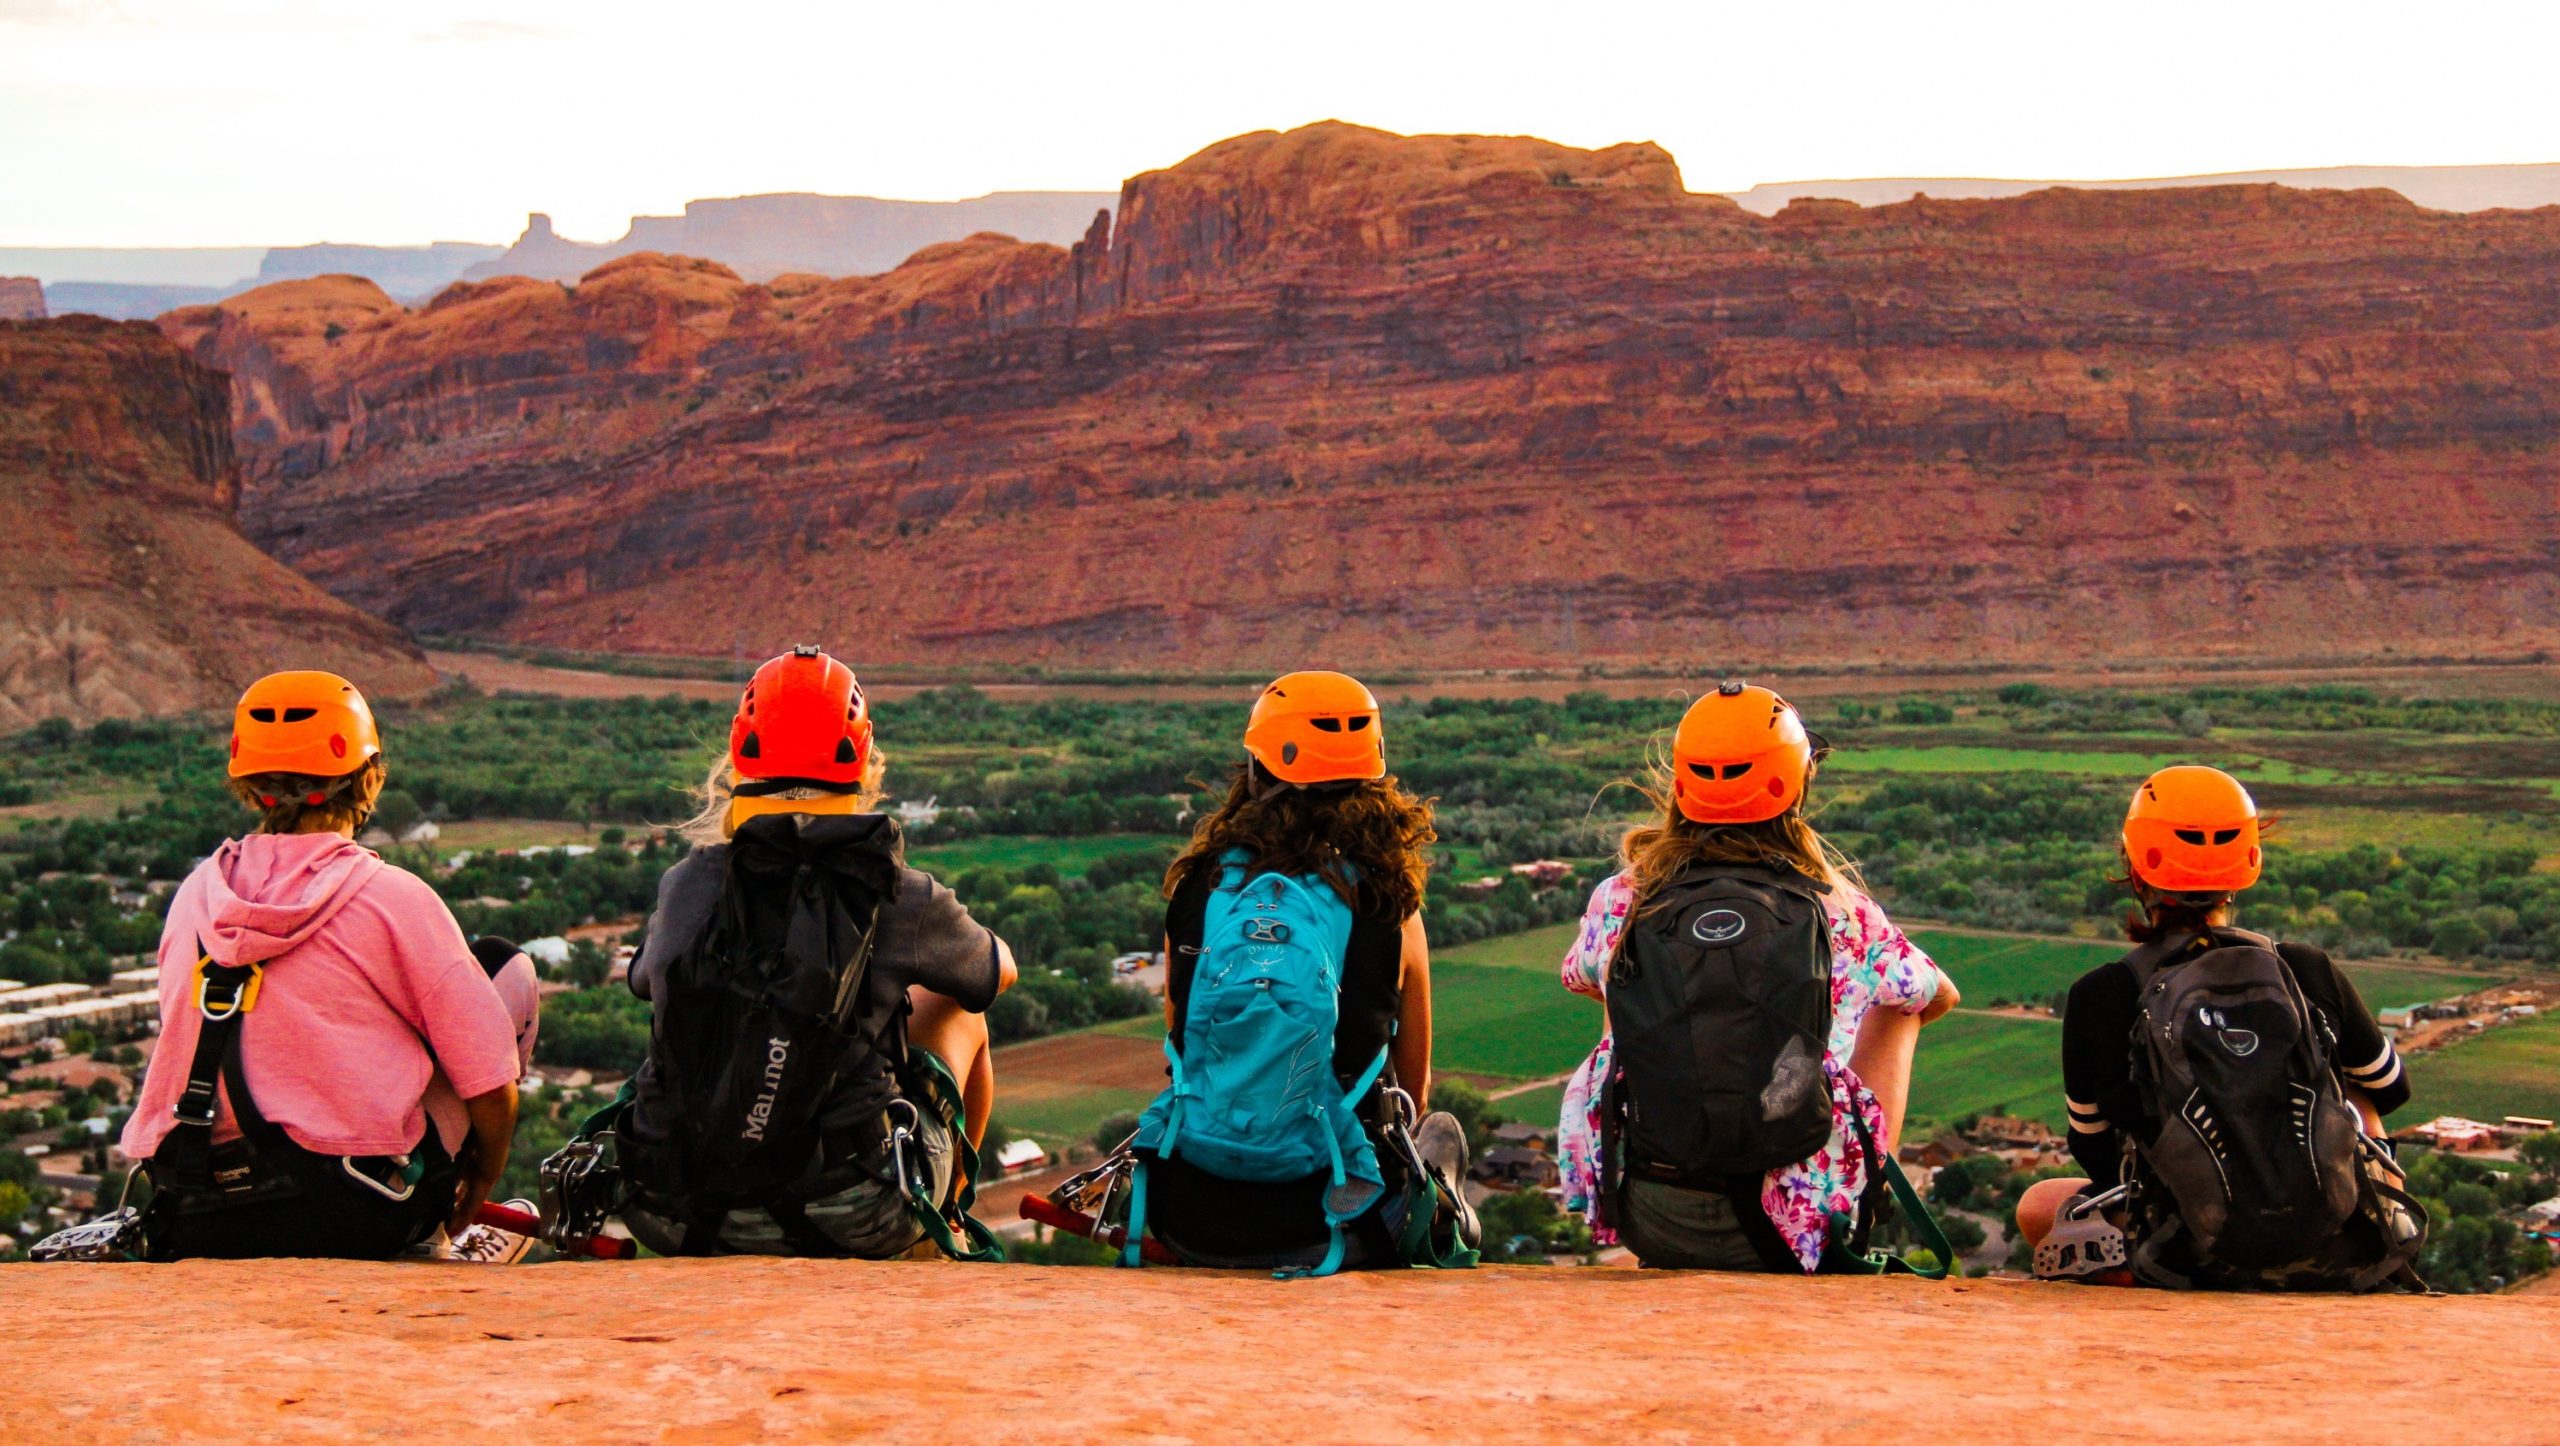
124 588
1458 401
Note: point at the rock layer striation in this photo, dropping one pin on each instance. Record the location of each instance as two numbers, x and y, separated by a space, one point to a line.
124 588
1460 402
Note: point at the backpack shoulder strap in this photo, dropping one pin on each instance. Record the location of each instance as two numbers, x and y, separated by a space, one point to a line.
1235 867
2149 959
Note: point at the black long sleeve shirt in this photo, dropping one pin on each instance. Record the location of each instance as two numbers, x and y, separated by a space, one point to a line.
2097 1053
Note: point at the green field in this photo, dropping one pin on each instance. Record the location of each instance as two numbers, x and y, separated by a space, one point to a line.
1065 1118
1066 855
1981 1062
1993 967
1532 949
1540 1106
1488 1019
2511 1070
1861 757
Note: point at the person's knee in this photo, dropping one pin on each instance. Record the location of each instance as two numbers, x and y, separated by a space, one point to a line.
2043 1203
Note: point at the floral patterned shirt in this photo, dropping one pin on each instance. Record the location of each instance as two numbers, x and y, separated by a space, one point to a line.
1872 963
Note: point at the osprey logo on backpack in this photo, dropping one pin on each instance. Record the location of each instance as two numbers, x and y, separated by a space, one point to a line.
1719 926
2242 1042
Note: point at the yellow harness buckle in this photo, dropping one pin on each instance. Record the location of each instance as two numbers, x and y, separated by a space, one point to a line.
241 1003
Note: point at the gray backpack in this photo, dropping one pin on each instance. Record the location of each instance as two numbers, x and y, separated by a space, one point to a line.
2255 1172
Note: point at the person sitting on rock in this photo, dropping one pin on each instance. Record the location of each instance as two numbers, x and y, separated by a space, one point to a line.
2225 1092
336 1075
1298 1013
1762 1014
818 1079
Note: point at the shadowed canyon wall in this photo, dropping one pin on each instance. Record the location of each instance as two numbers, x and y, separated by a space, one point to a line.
124 589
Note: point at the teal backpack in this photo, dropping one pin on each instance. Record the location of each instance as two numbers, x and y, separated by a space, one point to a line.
1253 1094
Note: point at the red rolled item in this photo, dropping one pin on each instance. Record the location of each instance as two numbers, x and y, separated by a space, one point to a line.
602 1247
1045 1211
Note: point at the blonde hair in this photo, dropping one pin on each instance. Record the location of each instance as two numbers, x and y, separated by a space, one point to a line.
709 823
1658 851
283 800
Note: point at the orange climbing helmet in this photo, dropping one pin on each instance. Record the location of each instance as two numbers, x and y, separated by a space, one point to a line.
1742 755
308 724
2193 830
802 723
1317 728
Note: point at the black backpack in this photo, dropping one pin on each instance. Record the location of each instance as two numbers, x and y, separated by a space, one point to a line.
2254 1171
1720 1003
763 1017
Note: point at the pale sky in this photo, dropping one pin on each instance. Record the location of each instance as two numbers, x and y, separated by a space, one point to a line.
255 122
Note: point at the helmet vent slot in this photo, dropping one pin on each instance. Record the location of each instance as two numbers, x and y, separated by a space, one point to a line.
2191 835
297 715
844 750
1736 770
1360 722
263 715
752 748
2225 835
1327 725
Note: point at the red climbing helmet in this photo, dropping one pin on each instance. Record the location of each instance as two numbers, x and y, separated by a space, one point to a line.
802 723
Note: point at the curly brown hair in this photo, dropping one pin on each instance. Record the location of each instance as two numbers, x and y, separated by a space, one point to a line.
1661 850
1377 828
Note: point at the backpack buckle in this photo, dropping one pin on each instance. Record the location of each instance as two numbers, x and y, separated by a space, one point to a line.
195 1104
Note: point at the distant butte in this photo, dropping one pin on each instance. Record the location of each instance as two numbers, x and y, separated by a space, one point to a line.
1447 402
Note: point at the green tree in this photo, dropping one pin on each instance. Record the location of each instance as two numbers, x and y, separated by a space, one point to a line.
2541 1157
397 811
1114 1128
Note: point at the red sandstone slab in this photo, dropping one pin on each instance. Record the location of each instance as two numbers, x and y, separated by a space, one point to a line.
770 1350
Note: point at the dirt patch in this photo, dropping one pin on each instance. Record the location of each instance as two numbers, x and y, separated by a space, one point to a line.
743 1350
2485 680
2415 798
1083 1061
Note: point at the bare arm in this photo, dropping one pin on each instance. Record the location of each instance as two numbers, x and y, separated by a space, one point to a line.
1006 971
1947 998
1411 1048
484 1155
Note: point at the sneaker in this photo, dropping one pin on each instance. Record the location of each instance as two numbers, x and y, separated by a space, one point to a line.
1442 1144
487 1244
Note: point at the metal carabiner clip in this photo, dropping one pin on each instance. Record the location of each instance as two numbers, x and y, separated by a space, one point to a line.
899 1136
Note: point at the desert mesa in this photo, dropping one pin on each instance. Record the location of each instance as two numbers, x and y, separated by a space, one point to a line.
1451 401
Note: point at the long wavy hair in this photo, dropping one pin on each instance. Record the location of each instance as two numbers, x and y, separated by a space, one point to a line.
1668 845
1370 841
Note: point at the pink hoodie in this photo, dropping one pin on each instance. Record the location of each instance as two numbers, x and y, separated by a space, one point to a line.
368 989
